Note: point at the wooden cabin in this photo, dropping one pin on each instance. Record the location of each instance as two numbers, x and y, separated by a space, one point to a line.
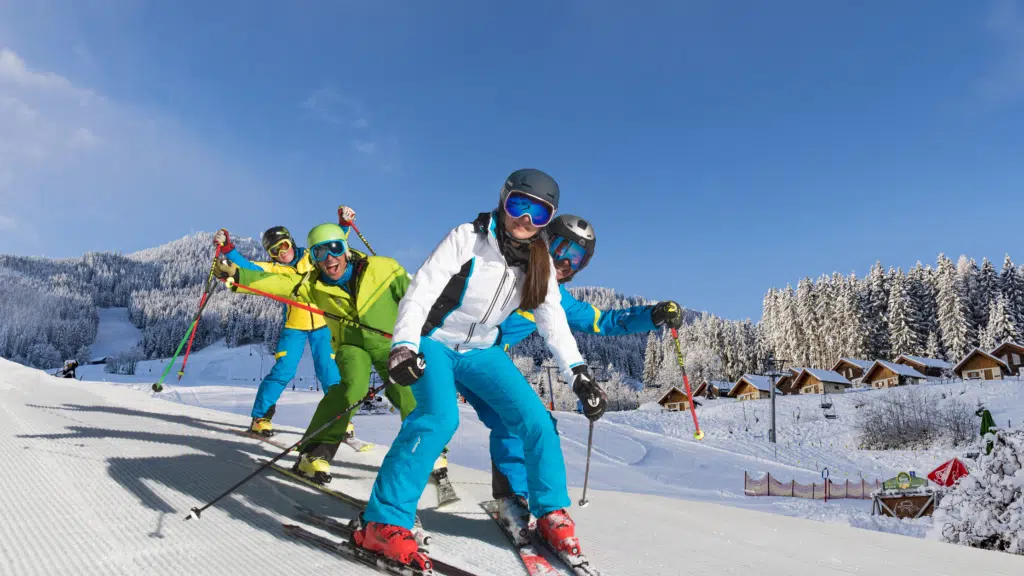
675 400
712 389
785 383
980 365
852 369
751 387
816 381
932 367
882 374
1011 353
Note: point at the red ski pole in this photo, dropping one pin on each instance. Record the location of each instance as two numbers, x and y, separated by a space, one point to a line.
231 282
686 382
344 222
202 305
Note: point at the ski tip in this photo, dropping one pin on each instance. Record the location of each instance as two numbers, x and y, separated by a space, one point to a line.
698 435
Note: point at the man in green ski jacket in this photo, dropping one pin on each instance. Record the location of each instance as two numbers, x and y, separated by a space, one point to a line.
349 284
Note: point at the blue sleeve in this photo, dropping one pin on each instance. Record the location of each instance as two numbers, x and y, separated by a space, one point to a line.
516 328
241 261
588 318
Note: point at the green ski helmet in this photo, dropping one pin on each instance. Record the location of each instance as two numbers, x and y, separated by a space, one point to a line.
325 234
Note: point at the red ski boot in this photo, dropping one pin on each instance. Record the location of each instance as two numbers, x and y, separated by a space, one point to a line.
393 542
559 532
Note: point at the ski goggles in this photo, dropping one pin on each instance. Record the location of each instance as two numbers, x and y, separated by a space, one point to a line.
519 204
281 246
321 251
565 249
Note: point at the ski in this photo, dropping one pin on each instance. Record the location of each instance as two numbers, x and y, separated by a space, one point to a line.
349 550
359 445
266 439
445 491
342 529
350 500
534 562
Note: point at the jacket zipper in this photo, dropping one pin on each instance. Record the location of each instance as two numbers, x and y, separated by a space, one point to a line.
497 294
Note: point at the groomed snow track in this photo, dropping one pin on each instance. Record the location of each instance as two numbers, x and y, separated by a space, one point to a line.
97 478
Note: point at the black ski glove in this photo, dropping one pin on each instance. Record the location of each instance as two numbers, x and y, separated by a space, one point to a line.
225 269
590 394
405 367
667 314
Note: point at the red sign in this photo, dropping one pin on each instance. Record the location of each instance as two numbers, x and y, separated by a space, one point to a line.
948 473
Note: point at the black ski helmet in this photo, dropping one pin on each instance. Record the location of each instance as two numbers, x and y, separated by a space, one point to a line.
532 182
572 227
271 236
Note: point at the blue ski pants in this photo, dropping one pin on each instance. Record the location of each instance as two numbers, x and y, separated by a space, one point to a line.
290 346
491 377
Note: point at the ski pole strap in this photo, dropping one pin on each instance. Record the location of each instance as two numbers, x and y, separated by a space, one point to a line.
686 383
360 234
231 282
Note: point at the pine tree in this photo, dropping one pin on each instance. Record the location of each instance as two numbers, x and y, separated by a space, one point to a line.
1000 326
953 321
877 308
652 359
806 309
920 296
967 282
1011 285
988 290
902 336
933 348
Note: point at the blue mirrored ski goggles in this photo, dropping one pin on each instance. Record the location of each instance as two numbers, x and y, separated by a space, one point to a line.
519 204
565 249
335 248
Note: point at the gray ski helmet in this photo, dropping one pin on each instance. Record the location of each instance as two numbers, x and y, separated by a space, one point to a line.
532 182
271 236
580 231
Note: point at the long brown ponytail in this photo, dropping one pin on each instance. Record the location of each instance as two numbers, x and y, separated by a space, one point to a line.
538 274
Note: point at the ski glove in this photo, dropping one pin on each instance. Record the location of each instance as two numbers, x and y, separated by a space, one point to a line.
667 314
405 367
223 239
346 215
590 394
224 269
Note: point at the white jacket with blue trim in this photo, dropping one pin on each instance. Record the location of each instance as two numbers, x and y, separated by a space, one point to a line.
465 290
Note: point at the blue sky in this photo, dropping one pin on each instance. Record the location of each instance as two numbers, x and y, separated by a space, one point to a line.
719 148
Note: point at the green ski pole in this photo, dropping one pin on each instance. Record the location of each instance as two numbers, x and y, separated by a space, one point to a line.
159 385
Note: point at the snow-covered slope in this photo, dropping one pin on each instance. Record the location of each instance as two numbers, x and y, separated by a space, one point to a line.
114 334
98 478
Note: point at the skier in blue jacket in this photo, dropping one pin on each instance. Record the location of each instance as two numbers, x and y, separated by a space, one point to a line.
572 243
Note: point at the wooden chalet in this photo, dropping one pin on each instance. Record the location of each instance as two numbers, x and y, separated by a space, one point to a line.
980 365
932 367
851 368
1011 353
712 389
815 381
675 400
785 383
882 374
751 387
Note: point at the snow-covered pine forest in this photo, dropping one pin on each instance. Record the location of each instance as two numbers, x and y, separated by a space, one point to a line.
941 312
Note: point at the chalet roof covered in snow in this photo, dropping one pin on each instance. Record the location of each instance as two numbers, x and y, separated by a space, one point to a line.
979 352
863 364
1005 347
756 380
826 376
929 362
900 369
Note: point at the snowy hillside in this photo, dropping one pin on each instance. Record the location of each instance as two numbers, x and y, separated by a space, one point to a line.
132 466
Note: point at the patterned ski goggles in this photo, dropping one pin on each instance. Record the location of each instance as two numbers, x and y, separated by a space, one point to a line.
321 251
519 204
282 246
564 249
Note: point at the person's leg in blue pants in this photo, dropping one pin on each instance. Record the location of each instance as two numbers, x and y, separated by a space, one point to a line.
290 345
508 461
492 377
406 469
323 358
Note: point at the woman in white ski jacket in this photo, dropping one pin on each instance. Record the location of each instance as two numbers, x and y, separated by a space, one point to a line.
444 341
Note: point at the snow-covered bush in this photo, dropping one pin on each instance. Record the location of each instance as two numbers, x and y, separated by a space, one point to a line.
912 417
124 362
986 508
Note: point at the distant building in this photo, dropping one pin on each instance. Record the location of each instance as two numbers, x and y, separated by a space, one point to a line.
932 367
816 381
712 389
980 365
1011 353
851 368
751 387
675 400
785 383
882 374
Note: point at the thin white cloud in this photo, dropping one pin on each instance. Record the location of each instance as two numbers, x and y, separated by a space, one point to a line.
83 138
7 224
1004 79
14 72
330 106
364 147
